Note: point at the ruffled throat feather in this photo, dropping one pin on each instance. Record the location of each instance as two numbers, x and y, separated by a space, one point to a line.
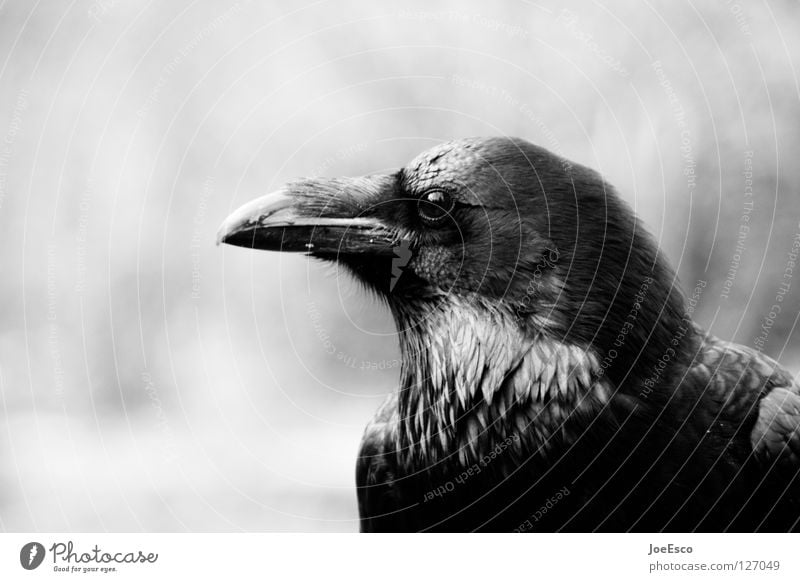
475 379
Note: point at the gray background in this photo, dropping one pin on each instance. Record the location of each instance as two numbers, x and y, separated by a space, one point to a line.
152 381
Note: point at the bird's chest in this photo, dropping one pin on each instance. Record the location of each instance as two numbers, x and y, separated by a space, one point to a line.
505 476
495 493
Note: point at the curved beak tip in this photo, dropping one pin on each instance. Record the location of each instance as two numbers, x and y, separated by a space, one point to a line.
282 221
222 232
244 218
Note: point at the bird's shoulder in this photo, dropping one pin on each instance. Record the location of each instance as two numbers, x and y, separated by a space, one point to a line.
751 389
734 374
379 500
776 435
377 453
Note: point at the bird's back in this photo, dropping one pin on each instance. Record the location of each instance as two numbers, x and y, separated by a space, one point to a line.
744 411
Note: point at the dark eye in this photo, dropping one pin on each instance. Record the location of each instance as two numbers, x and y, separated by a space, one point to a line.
434 205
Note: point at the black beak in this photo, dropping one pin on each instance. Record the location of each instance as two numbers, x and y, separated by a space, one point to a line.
325 218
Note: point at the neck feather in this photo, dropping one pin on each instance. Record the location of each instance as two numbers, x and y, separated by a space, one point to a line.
475 378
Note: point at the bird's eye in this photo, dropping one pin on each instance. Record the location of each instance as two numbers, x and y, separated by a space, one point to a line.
434 205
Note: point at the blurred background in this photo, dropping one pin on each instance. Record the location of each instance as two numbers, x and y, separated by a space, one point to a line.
151 381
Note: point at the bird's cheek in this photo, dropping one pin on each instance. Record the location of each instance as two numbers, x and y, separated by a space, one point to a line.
438 265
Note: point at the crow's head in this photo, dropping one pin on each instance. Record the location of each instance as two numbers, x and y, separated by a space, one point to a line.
464 218
526 294
493 226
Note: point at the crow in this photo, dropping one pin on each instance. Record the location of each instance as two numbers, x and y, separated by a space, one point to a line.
552 377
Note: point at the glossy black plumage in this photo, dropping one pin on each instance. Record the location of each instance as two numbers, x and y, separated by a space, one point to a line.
722 456
552 377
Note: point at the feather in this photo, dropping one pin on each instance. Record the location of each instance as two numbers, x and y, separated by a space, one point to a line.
563 363
522 378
